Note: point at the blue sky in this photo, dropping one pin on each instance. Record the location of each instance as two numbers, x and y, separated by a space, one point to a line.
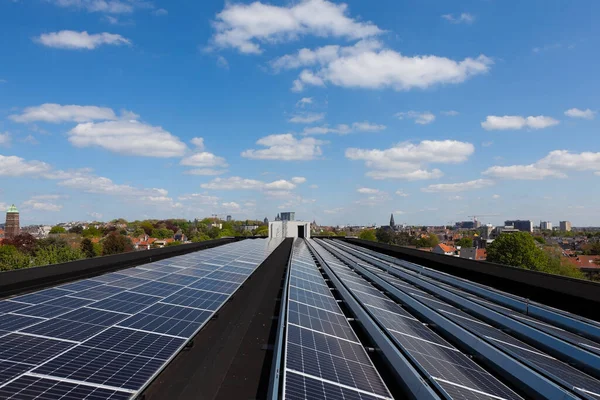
341 111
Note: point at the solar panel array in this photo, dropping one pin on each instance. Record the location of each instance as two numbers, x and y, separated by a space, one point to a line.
535 358
108 336
451 371
323 356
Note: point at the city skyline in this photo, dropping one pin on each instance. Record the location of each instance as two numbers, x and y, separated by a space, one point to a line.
163 110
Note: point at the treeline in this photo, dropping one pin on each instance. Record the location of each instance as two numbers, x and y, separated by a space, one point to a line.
388 236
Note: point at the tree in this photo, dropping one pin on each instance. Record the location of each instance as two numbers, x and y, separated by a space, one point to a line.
465 242
23 242
403 239
201 238
138 232
367 234
147 227
162 233
11 258
87 248
56 255
78 229
384 235
91 231
539 239
57 229
518 250
51 241
116 244
428 241
262 231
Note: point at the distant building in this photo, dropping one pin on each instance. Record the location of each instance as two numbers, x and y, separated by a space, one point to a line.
11 228
444 249
266 221
521 225
229 218
546 225
392 222
467 225
288 216
473 253
565 226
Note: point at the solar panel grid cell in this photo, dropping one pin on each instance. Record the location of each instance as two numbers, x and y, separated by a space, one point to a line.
64 329
8 306
213 285
30 349
299 387
128 282
43 311
10 370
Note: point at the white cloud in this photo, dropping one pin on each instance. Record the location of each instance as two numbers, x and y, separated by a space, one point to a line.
314 186
161 12
198 142
455 198
495 196
304 101
493 122
298 180
56 113
205 171
344 129
459 19
554 165
101 185
238 183
408 161
104 6
367 191
334 210
577 113
458 187
368 65
42 206
487 144
198 198
522 172
285 147
401 193
246 26
422 118
4 139
308 118
128 137
231 207
80 40
47 197
222 62
450 113
3 81
30 139
17 166
95 215
204 160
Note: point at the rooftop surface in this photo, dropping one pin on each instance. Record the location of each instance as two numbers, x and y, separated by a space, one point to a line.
312 319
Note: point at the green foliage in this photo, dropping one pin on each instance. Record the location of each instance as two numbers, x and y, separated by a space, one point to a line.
162 233
51 241
200 238
87 248
560 266
518 250
138 232
428 241
55 255
367 234
226 233
57 229
262 231
464 242
11 258
539 239
24 242
175 243
78 229
116 244
384 235
147 227
91 231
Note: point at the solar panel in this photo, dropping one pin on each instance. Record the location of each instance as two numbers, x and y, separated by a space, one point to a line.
434 356
33 387
105 337
323 357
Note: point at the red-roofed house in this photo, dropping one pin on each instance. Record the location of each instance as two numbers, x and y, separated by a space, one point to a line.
444 249
585 261
473 253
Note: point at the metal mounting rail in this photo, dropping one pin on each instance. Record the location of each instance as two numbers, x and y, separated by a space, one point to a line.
533 383
574 323
583 359
401 368
275 379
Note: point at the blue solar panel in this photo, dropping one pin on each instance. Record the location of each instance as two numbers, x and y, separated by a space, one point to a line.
32 387
116 330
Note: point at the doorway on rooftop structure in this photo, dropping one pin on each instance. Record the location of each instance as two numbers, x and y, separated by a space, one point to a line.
301 231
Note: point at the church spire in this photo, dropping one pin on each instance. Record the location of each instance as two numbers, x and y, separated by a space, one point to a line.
392 223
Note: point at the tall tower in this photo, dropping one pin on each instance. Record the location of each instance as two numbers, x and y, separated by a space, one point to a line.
392 223
11 229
